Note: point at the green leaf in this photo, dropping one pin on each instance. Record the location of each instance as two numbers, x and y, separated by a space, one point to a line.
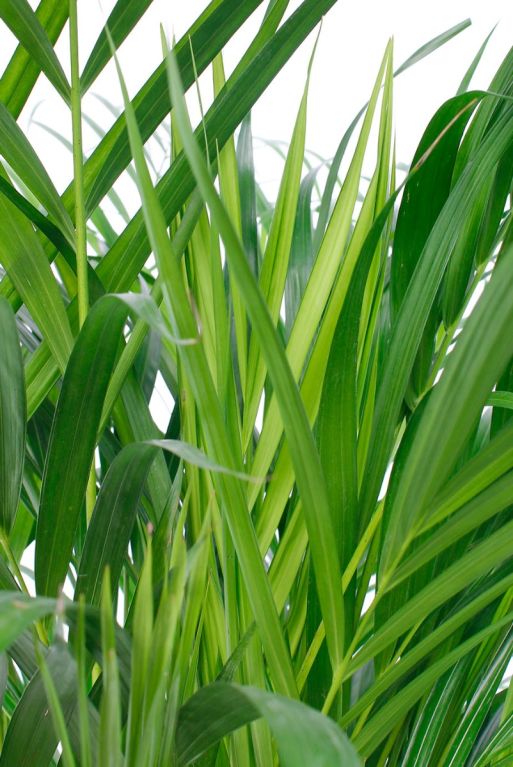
427 647
301 255
75 428
12 417
73 440
141 653
478 473
22 71
318 313
501 742
482 352
467 78
42 222
31 740
22 158
191 454
430 720
460 269
469 726
17 612
57 712
26 263
24 24
418 55
112 521
302 735
478 561
247 189
394 710
475 512
121 21
205 38
275 261
427 191
110 707
222 118
305 330
501 399
433 45
116 509
121 265
408 329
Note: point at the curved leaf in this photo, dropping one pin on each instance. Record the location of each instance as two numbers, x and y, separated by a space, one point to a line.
22 71
25 261
73 440
116 507
30 740
303 735
24 24
18 612
22 158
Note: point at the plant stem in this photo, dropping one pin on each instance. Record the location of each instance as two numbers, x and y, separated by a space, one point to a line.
80 216
78 160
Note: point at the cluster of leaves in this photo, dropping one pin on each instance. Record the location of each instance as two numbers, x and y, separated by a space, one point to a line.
319 544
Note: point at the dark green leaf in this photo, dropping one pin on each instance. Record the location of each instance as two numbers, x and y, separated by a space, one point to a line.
303 735
24 24
73 441
12 417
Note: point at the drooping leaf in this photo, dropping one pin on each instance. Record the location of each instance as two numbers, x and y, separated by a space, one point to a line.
17 150
114 514
24 24
22 71
25 261
17 613
303 735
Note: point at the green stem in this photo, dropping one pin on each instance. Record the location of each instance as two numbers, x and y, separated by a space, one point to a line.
80 217
78 161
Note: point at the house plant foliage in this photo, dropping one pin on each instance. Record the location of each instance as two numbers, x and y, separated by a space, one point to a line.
312 563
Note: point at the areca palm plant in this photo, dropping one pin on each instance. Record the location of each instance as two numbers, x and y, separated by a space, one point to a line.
312 563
